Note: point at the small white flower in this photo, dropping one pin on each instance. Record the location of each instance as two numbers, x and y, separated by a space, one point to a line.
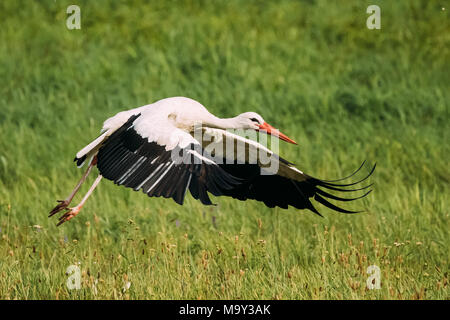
126 286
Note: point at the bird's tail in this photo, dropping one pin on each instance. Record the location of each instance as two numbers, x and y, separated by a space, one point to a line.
90 150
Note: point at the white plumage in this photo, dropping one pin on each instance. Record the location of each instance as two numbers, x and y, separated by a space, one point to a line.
156 148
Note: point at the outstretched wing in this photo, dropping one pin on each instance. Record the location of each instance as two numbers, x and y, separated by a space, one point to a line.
268 178
163 160
129 159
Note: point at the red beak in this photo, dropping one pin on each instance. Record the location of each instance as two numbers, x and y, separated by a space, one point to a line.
274 132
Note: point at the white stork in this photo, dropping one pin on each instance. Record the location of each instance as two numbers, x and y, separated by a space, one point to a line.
136 149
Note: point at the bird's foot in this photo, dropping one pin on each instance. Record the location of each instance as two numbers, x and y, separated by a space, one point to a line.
70 213
63 204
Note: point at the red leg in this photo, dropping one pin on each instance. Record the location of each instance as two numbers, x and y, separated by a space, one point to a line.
72 212
63 204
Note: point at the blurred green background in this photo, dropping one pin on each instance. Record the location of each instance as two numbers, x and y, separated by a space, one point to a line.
312 68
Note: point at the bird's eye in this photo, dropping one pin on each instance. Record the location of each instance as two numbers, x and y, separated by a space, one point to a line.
254 120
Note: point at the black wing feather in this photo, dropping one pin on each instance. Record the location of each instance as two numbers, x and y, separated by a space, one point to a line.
276 190
130 160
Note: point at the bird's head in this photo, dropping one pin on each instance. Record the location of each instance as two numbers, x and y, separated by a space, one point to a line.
252 120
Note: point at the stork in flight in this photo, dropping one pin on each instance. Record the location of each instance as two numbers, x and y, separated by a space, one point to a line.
136 149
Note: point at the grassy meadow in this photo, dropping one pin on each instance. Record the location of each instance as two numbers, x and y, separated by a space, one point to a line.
343 92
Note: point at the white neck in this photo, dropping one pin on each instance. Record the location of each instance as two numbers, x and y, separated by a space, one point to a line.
225 123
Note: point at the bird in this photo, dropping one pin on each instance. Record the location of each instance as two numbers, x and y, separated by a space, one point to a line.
175 144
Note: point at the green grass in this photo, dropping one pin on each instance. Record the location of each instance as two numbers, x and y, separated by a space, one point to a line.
312 68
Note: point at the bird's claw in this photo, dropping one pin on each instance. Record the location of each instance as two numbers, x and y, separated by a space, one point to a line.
61 206
69 214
